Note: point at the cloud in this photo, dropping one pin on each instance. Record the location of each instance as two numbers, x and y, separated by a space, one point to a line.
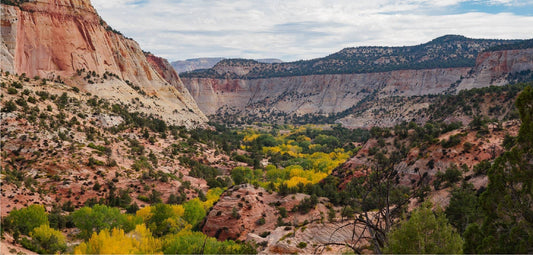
303 29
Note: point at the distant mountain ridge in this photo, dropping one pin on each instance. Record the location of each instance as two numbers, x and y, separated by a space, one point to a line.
443 52
204 63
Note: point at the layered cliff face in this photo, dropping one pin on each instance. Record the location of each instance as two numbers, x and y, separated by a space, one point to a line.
330 93
51 38
335 93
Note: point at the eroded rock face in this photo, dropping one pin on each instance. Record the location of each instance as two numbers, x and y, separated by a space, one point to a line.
492 67
316 93
51 38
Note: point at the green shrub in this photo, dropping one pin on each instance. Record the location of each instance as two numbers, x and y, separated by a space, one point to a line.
261 221
9 106
12 91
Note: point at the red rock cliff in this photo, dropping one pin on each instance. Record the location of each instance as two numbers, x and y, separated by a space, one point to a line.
58 37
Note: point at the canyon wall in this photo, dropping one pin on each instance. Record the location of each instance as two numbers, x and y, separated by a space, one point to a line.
334 93
51 38
329 93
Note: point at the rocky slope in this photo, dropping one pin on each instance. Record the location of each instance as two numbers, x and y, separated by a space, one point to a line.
254 215
335 93
251 214
58 39
62 145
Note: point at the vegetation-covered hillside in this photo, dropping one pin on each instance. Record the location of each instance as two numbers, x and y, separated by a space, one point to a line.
443 52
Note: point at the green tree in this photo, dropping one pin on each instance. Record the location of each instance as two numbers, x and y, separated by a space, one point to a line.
26 219
241 175
97 218
165 220
194 211
424 232
463 208
198 243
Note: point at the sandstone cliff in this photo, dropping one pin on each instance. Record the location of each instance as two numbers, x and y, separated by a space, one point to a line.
51 38
329 93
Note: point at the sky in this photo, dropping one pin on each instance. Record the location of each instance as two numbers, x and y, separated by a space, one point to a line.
304 29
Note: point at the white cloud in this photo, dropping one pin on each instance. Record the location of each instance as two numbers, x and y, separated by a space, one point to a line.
296 29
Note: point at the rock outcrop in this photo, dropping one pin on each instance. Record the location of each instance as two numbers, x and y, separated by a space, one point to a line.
251 214
492 67
58 38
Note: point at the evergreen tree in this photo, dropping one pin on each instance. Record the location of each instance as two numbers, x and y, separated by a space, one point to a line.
463 207
424 232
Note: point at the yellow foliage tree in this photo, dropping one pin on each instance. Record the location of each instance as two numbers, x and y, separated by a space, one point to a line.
293 182
139 241
105 242
145 213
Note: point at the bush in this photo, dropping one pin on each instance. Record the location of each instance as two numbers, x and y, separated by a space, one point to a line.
12 91
9 106
482 167
302 245
467 146
307 204
197 242
261 221
452 141
452 175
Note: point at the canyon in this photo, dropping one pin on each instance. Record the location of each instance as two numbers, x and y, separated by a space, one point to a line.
94 126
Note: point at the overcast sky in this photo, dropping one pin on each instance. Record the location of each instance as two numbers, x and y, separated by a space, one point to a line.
305 29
